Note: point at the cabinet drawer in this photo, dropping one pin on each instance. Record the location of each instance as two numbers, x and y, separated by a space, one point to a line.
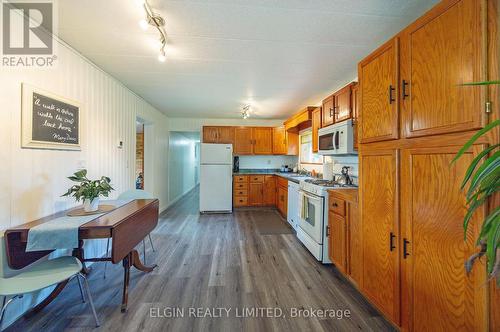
240 201
282 182
240 185
240 192
240 178
256 178
337 206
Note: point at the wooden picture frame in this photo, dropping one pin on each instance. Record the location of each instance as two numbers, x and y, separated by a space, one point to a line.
49 121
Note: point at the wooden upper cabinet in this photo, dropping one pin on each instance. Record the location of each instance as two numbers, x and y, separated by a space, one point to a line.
226 135
210 134
270 190
218 134
337 246
342 108
262 140
439 52
316 124
378 95
380 231
355 111
243 143
438 295
327 111
279 140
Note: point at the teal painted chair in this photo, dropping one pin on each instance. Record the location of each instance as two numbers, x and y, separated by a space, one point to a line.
39 275
133 194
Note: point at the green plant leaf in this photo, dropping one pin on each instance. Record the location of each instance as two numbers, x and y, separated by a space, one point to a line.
490 167
489 222
476 161
474 138
480 83
492 244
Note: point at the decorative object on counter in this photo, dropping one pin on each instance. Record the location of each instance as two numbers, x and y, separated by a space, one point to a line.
345 179
49 121
236 164
139 183
89 190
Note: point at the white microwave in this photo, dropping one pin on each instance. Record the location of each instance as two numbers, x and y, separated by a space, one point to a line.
336 139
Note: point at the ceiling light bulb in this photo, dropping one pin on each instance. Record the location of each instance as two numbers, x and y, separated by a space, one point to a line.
162 57
143 24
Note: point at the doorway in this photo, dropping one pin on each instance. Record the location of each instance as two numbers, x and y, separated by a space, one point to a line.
184 163
139 155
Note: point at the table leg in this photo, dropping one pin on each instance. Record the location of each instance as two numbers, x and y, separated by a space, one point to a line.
126 279
80 254
136 262
60 286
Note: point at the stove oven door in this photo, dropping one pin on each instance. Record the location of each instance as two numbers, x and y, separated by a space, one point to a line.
311 215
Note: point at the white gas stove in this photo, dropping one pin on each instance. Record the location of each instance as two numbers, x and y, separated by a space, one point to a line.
313 216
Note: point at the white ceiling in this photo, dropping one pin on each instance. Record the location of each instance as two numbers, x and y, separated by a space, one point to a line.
278 55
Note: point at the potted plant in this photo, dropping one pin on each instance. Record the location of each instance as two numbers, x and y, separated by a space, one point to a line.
88 190
482 183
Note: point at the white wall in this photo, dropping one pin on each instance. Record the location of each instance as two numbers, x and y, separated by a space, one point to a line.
32 181
266 162
195 124
183 164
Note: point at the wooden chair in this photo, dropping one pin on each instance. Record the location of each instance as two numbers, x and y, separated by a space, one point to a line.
39 275
133 194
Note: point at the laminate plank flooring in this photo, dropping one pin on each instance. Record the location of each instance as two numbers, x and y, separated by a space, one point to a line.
213 261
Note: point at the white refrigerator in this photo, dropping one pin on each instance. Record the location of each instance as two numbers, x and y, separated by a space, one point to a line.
216 178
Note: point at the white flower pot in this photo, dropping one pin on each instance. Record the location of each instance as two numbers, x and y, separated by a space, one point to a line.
91 205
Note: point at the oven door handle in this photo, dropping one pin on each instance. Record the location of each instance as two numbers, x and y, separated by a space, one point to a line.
317 198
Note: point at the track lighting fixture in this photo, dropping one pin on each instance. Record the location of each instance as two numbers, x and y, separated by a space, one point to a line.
246 112
156 21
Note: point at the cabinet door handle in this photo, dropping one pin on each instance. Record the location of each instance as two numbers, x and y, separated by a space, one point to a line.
391 98
331 112
405 248
391 241
404 84
327 231
335 204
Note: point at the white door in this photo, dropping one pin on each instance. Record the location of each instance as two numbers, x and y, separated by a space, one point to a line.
216 188
216 154
311 215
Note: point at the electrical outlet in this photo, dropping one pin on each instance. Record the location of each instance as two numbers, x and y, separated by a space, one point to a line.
269 161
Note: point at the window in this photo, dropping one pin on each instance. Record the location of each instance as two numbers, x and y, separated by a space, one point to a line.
306 154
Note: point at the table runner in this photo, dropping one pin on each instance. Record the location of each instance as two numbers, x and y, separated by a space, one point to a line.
62 232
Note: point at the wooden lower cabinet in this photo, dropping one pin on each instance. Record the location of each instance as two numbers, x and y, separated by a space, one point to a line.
256 194
270 190
379 230
240 190
282 200
437 294
344 233
255 190
337 236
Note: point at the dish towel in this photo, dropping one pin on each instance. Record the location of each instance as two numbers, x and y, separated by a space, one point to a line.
62 232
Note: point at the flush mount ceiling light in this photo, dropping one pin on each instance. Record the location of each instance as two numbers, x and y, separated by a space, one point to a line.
155 20
246 112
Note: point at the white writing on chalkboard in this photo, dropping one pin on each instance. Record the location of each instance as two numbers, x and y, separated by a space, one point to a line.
54 121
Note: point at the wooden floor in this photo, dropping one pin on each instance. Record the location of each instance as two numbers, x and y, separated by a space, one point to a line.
213 261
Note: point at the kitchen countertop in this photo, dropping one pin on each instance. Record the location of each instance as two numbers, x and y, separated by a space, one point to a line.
294 177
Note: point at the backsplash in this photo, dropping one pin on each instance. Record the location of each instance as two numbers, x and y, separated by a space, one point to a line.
340 161
266 162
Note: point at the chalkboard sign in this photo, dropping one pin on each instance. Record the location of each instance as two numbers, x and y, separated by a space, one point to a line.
49 121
